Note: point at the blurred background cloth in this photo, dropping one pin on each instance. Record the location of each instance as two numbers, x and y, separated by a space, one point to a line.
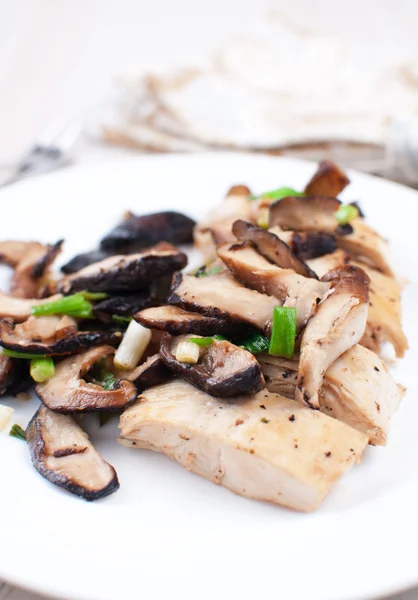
329 78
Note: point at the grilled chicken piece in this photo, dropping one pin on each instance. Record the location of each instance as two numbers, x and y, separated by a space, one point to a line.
281 374
20 309
307 213
216 227
359 391
265 446
223 297
328 180
366 245
323 264
57 335
289 288
135 233
67 391
62 453
125 273
271 247
223 369
339 324
384 319
175 321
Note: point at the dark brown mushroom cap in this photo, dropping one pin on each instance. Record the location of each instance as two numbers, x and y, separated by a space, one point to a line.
175 321
125 273
308 245
64 341
328 180
307 213
223 370
349 279
135 233
14 375
67 392
62 453
150 373
271 247
79 261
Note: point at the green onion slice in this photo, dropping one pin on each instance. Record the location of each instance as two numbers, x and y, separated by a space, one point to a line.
42 369
283 332
346 213
26 355
120 319
17 432
255 343
94 295
75 305
206 341
280 193
213 271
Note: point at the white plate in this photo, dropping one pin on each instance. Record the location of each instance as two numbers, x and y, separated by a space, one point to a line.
167 532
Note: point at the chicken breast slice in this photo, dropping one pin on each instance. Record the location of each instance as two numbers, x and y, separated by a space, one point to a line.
359 390
366 245
339 324
265 447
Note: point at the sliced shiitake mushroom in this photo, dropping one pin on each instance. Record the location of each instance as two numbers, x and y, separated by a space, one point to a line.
20 309
135 233
30 270
308 245
175 320
125 273
223 369
62 453
53 335
14 375
148 374
67 391
328 180
85 259
307 213
271 247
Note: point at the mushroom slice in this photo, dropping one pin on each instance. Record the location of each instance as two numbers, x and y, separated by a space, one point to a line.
20 309
359 391
264 446
80 261
307 213
62 453
32 267
222 297
328 180
271 247
288 287
68 392
135 233
53 335
339 324
280 373
14 375
223 369
175 321
323 264
125 273
306 245
12 252
150 373
366 245
216 227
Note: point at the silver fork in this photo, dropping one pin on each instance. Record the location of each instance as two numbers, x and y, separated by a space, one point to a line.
49 152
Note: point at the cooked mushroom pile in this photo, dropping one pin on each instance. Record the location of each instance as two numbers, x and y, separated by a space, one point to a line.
263 370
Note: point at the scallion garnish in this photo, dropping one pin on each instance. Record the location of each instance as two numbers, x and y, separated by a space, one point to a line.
17 432
206 341
283 332
42 369
120 319
104 417
280 193
213 271
75 305
255 343
95 296
346 213
27 356
105 377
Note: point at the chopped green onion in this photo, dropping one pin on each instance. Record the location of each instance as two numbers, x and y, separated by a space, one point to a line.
74 306
104 417
255 343
17 432
135 341
283 333
106 377
263 219
42 369
27 356
212 271
206 341
280 193
94 295
346 213
120 319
